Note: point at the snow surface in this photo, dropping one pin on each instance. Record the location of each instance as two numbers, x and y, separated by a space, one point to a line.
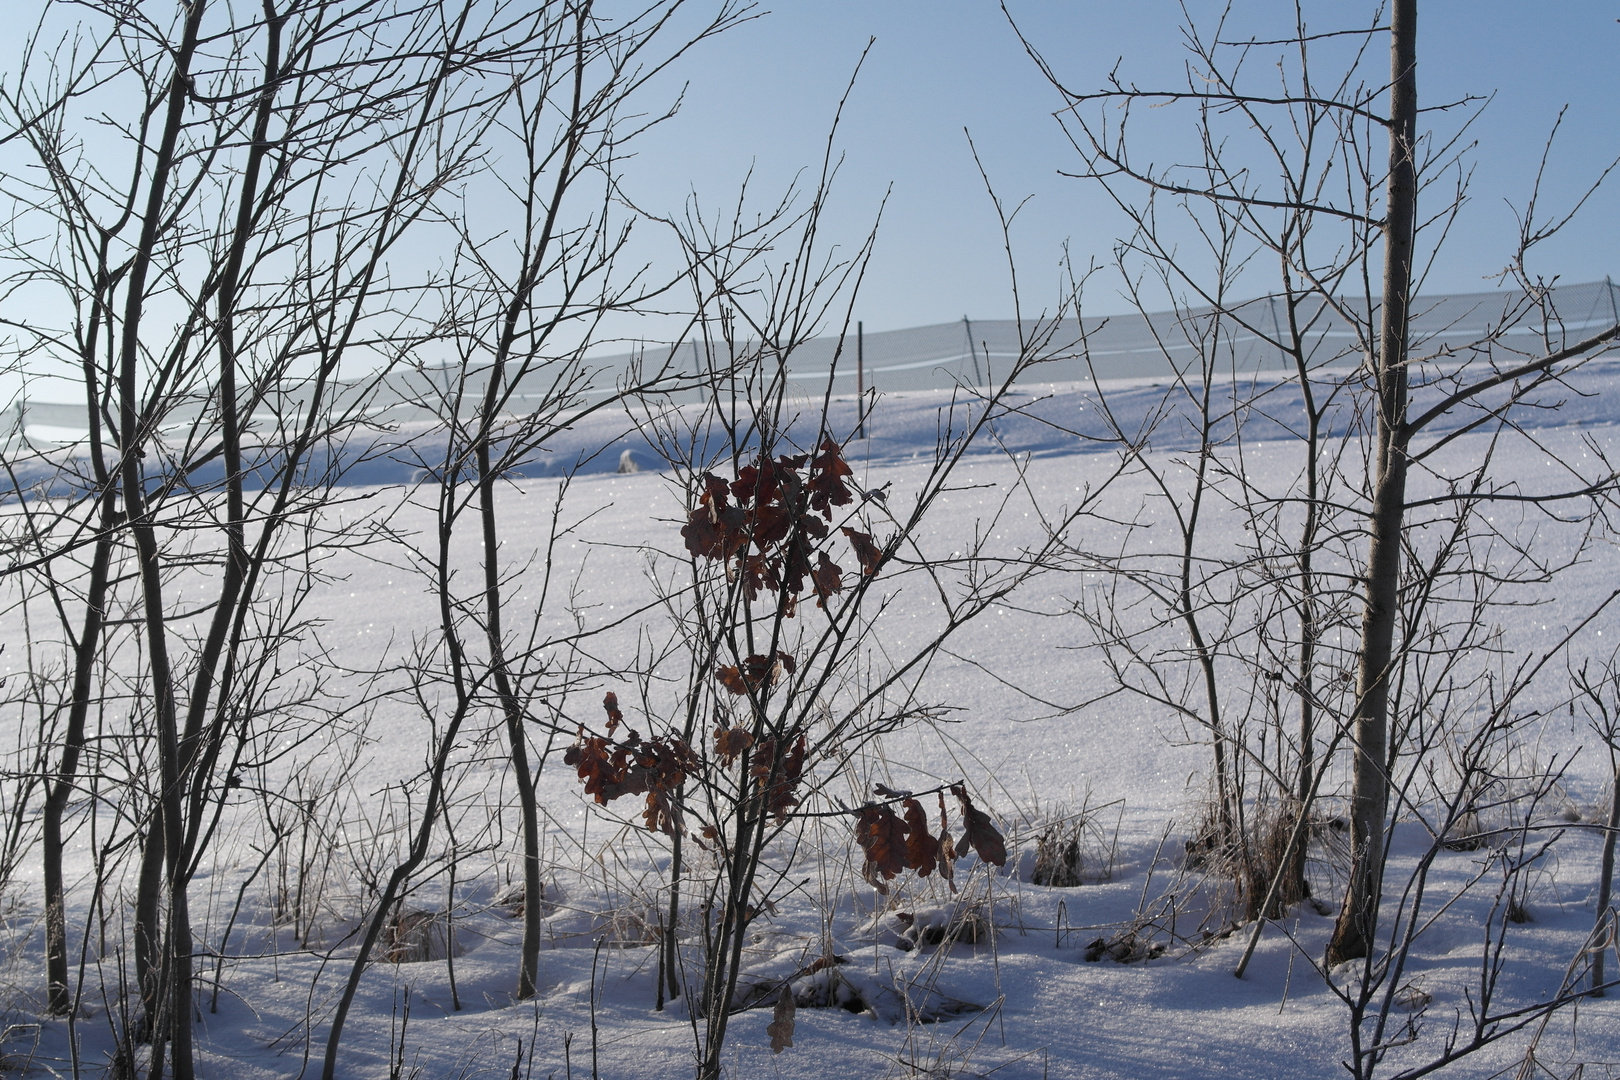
1130 769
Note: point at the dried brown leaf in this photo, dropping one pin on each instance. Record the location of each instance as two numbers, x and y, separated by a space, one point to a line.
978 831
922 850
827 578
882 837
780 1028
867 552
947 848
594 763
730 743
755 672
780 798
729 677
826 483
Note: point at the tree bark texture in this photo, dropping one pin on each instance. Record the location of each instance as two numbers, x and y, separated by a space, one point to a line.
1358 918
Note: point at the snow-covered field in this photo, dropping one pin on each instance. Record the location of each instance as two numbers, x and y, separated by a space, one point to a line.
1030 723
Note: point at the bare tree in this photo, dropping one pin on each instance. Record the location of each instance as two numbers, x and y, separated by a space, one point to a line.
213 275
521 304
787 569
1335 209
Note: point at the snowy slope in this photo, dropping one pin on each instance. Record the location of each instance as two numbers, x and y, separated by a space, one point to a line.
1013 686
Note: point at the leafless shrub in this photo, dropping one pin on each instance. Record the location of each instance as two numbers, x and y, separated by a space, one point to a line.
1067 848
415 936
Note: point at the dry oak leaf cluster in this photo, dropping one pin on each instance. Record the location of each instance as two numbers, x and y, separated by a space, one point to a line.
894 843
768 523
776 779
633 766
755 673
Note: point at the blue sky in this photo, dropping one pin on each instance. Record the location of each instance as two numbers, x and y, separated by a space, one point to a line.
763 95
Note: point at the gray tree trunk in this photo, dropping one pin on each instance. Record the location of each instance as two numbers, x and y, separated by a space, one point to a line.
1606 886
1353 933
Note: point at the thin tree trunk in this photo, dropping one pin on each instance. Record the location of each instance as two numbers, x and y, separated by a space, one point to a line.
59 1001
148 908
537 250
166 827
1358 919
668 942
237 562
1296 887
434 802
512 712
1605 887
391 891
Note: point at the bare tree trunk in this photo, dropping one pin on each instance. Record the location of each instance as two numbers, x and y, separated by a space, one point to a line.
59 1001
174 985
396 881
1606 886
1295 887
237 564
512 714
1358 919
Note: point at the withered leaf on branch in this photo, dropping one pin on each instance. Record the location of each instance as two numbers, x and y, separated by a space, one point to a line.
714 534
730 743
795 567
922 850
591 760
813 527
714 490
663 813
779 796
729 677
882 837
770 525
756 483
783 516
827 578
715 529
756 575
755 671
767 480
630 773
947 848
610 702
656 767
826 483
780 1029
883 792
978 830
866 551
